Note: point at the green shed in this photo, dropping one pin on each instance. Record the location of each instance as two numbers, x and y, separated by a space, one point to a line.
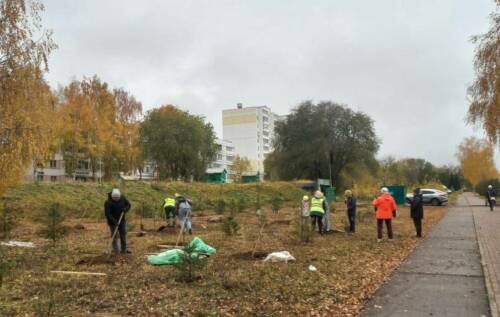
398 192
325 186
216 175
250 177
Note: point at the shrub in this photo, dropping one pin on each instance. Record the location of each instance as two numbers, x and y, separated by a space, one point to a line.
240 204
7 221
220 206
53 219
5 265
191 263
276 203
229 225
46 305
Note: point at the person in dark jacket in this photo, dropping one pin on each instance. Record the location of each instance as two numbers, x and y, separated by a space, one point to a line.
350 202
417 211
115 205
491 197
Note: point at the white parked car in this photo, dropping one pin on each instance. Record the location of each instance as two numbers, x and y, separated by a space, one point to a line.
431 196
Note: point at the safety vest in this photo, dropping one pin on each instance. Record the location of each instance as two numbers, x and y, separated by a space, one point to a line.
169 202
317 205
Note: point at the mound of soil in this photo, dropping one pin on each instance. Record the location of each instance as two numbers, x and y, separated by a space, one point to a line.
258 255
281 222
96 260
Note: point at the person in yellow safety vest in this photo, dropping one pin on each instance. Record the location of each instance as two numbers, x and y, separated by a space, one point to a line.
169 208
317 211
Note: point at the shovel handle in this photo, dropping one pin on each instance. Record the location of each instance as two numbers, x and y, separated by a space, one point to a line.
117 226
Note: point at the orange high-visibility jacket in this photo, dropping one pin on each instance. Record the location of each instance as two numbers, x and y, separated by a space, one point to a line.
385 205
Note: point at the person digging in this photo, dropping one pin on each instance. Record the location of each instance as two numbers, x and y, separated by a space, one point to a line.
184 208
115 208
169 209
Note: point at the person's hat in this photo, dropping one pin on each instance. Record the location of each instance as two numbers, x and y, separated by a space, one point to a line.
177 195
318 194
490 187
348 193
115 193
384 190
305 197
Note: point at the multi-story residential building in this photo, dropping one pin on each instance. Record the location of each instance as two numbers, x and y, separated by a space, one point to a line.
54 170
225 155
251 130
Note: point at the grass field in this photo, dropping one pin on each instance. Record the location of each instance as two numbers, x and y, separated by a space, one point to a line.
350 269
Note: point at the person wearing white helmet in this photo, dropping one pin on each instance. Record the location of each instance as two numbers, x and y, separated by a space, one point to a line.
305 210
115 208
385 208
491 197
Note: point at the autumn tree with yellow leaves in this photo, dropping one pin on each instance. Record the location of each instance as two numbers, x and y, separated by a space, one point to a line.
477 160
99 126
26 102
484 93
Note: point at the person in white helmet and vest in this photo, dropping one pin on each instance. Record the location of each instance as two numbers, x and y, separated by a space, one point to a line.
317 211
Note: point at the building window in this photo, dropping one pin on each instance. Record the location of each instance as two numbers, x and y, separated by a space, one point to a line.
229 148
53 178
53 164
230 158
39 176
83 165
219 157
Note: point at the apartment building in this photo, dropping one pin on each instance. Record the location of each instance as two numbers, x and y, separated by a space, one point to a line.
251 131
225 156
55 171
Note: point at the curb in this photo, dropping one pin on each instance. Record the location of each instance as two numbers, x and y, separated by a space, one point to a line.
489 288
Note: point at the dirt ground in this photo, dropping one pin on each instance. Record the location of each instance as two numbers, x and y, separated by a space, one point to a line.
350 268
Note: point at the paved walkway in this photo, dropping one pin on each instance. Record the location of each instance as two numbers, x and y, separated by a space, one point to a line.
488 235
442 277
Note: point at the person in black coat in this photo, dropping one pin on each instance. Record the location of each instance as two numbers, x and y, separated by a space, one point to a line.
350 202
115 205
417 211
491 197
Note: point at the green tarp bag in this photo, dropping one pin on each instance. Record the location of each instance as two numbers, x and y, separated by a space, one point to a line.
201 247
174 256
169 257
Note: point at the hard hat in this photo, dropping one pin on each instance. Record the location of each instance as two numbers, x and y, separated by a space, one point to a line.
305 197
348 193
177 195
384 190
318 194
115 193
490 187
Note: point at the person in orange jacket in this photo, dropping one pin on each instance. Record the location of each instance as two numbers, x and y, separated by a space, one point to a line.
385 208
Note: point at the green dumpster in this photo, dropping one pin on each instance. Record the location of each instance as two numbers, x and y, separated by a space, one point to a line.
325 186
398 192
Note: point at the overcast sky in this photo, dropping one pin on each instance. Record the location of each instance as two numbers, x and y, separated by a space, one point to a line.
405 63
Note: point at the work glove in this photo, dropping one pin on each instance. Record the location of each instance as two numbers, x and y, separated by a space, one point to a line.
394 213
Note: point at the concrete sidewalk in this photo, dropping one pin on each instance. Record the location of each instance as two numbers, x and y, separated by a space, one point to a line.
488 235
442 277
